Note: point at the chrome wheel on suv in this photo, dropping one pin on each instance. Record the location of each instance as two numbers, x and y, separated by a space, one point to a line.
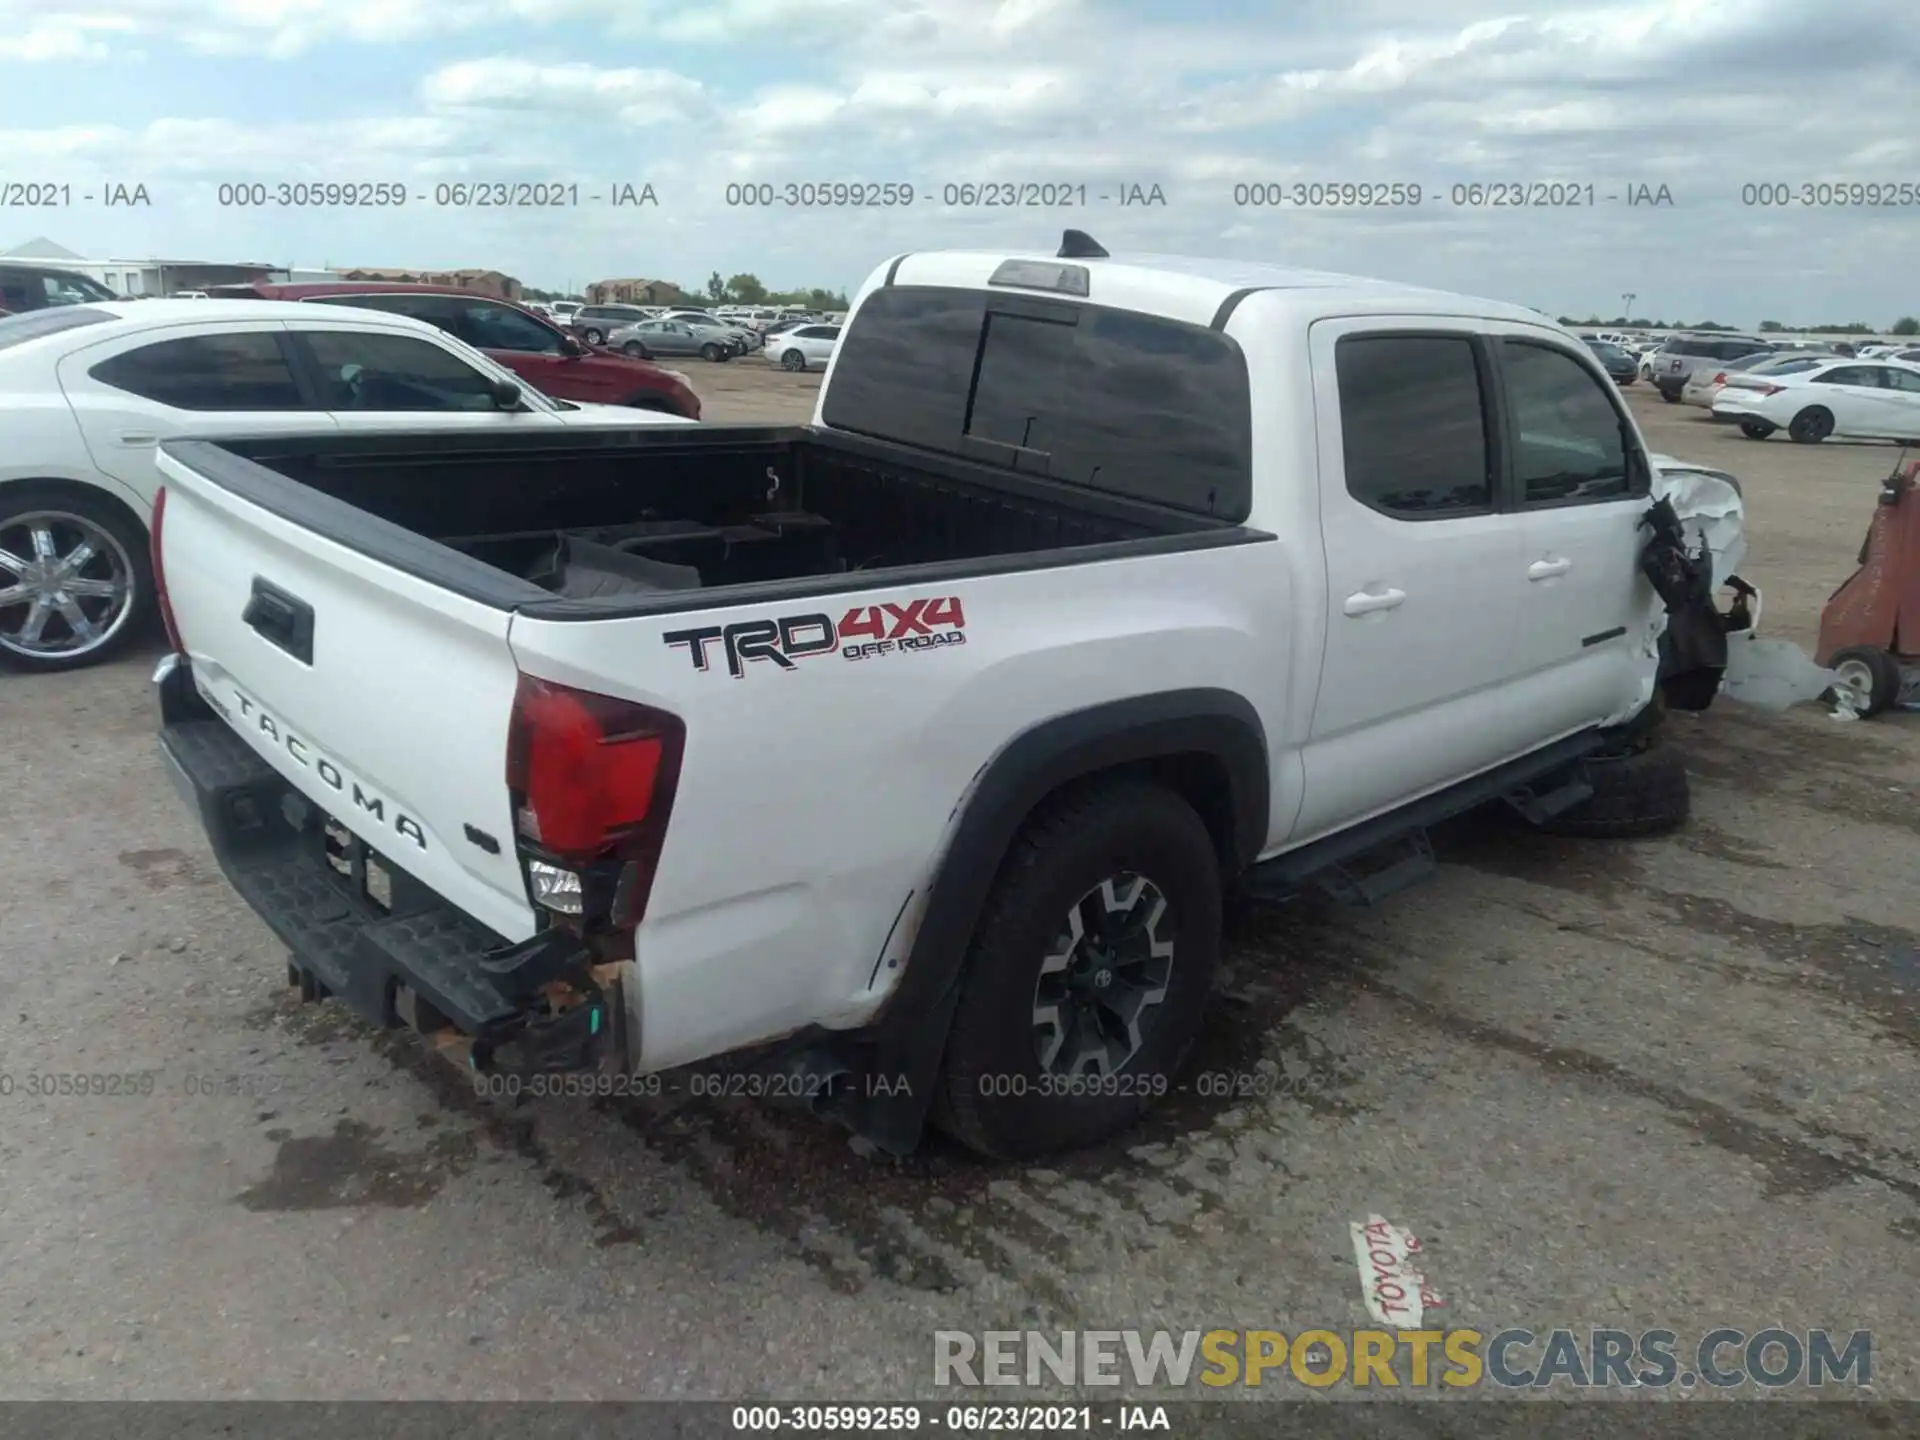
67 587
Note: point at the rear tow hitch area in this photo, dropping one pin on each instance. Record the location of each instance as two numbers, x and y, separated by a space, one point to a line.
567 1015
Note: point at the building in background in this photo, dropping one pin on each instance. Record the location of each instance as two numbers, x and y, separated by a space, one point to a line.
481 282
140 278
635 292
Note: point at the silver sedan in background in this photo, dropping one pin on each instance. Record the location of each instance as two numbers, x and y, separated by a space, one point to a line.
649 338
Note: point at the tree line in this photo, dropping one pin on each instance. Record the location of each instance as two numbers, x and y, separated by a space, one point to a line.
1905 325
742 289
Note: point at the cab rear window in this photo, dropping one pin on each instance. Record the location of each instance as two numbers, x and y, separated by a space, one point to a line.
1110 400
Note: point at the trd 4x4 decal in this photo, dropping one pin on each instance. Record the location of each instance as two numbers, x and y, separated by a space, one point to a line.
864 632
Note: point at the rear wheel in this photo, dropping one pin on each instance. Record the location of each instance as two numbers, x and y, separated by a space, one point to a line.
76 581
793 360
594 335
1672 397
635 350
1757 429
1088 974
1870 676
1812 425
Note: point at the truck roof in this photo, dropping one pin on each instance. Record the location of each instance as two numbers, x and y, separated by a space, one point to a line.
1181 287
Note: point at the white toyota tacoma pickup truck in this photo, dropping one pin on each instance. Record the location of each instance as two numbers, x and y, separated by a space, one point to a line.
907 756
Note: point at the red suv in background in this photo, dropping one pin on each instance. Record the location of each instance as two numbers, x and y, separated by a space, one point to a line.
535 349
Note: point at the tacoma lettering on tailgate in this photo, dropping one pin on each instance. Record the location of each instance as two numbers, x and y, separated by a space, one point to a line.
330 774
863 633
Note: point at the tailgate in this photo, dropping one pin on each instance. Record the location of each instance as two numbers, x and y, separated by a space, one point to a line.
382 697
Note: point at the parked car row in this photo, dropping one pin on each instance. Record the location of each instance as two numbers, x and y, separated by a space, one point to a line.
91 391
716 336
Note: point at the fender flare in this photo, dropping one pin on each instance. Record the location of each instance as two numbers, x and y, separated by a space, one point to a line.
909 1036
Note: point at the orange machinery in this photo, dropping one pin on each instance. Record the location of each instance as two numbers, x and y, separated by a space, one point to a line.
1870 628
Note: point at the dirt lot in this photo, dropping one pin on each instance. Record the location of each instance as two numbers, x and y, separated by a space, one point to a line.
1666 1083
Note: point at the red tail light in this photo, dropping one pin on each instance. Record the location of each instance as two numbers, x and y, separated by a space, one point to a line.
160 573
1719 379
592 779
1768 389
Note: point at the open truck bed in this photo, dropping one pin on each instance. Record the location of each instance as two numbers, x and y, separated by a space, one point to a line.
658 520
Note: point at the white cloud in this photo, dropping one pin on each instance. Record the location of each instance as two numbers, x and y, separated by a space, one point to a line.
62 37
637 96
692 94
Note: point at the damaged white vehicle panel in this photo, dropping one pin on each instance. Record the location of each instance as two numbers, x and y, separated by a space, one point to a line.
1772 674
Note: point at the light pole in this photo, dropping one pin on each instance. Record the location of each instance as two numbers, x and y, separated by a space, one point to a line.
1629 297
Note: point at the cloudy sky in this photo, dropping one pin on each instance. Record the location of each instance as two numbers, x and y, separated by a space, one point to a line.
692 96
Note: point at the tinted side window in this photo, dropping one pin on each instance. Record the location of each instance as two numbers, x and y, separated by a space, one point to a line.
1849 375
497 327
1904 379
1122 402
363 370
434 309
15 293
207 372
1568 441
1413 424
1117 401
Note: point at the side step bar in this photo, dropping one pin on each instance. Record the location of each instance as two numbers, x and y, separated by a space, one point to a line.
1365 864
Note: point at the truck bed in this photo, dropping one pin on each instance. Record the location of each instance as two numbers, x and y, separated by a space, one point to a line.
659 519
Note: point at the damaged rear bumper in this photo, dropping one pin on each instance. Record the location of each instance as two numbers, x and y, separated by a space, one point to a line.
366 933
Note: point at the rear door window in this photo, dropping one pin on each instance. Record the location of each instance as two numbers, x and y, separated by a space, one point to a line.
501 327
1413 425
1864 375
245 370
1112 400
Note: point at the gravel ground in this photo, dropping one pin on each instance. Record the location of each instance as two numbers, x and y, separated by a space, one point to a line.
1659 1083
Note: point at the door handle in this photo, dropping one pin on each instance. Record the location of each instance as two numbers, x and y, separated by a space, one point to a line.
1547 569
138 438
1365 604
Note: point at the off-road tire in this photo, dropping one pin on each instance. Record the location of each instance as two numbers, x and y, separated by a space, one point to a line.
994 1096
1639 789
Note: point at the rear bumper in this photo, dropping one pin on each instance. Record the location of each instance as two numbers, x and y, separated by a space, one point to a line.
416 962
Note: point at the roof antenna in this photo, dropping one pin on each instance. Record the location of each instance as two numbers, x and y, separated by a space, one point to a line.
1078 245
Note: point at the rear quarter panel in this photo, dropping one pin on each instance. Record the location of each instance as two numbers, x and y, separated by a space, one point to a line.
815 801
